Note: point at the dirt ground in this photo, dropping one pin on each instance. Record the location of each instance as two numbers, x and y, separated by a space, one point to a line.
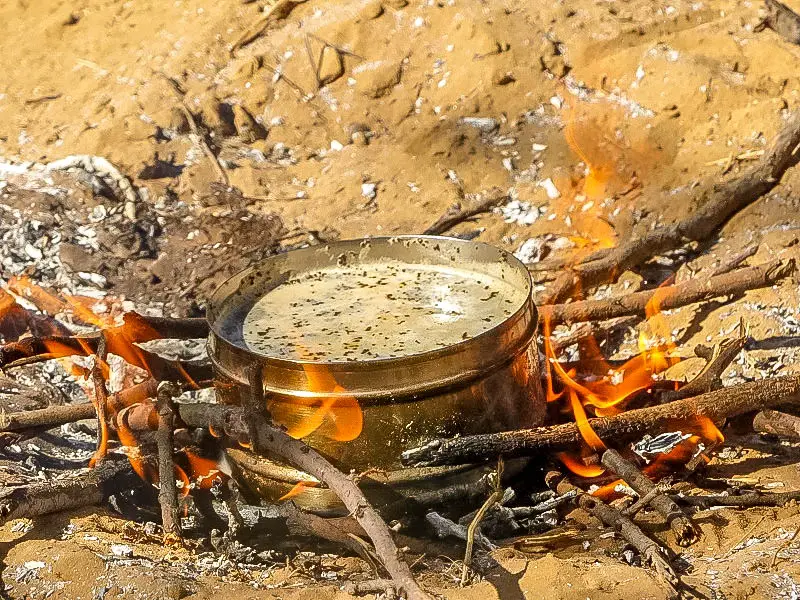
349 118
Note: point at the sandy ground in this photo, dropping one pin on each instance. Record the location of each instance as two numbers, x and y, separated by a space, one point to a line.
656 98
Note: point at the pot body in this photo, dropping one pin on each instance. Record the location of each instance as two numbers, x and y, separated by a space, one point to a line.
484 384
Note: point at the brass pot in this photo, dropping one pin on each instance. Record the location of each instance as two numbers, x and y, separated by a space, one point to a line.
487 383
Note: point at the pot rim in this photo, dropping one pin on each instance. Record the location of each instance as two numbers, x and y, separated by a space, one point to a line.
473 357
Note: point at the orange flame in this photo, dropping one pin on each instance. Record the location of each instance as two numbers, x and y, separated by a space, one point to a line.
131 411
336 416
205 472
608 390
298 489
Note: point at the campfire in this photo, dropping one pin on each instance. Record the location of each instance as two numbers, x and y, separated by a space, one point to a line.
488 436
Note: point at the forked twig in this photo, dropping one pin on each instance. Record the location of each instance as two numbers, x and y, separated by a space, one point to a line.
493 499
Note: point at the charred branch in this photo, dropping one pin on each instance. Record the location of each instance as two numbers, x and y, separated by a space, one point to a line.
685 531
716 405
87 489
165 440
652 554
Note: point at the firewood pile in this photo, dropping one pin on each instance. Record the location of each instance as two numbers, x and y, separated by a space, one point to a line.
158 446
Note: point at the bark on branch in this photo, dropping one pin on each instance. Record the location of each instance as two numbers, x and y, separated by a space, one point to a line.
673 296
719 404
685 531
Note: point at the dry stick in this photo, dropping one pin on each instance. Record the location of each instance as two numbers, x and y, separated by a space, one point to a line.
165 440
749 500
494 498
673 296
727 402
643 501
717 204
599 329
52 416
265 438
685 531
777 423
649 550
57 496
458 213
279 10
710 378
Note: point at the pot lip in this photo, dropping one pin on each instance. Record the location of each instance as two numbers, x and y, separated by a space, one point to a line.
527 305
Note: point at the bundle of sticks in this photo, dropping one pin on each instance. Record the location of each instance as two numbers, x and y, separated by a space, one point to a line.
249 425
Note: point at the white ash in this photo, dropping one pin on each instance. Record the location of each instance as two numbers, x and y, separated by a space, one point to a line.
532 250
650 446
582 91
518 212
486 125
28 571
550 188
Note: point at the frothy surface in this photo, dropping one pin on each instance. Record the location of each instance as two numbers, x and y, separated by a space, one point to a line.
379 310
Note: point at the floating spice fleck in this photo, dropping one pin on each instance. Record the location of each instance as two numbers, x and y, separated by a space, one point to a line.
377 311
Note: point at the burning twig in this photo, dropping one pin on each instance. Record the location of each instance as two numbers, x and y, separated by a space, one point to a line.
716 405
718 204
729 284
459 213
596 331
165 440
651 553
27 423
100 399
685 531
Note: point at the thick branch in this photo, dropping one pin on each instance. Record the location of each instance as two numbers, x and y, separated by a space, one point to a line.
57 496
673 296
777 423
719 404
